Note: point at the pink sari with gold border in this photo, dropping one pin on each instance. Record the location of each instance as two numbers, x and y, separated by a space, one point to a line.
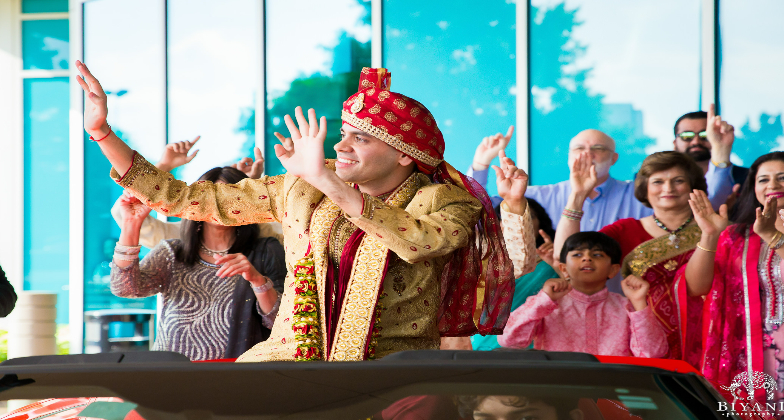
732 313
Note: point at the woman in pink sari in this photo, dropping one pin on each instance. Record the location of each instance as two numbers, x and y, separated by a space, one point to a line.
744 310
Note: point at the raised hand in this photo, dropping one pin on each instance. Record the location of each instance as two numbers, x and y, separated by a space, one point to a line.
636 290
733 197
489 147
131 209
176 154
306 160
250 167
765 224
287 143
95 109
710 222
512 183
721 136
546 250
233 264
557 288
582 175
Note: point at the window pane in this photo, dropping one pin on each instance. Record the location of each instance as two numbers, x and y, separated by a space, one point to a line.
629 69
459 64
46 106
752 88
124 48
213 78
45 44
44 6
313 72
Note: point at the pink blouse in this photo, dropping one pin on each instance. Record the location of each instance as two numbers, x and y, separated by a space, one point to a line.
603 323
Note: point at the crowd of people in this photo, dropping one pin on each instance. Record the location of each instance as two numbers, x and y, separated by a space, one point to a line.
389 248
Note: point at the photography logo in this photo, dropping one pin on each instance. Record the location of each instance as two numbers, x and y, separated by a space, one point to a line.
742 389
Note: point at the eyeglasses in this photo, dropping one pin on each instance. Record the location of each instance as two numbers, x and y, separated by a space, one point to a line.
688 136
598 148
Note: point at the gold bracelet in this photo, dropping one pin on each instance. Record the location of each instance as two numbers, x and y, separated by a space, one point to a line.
775 241
705 249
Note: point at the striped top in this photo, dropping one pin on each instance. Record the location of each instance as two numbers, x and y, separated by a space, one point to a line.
197 304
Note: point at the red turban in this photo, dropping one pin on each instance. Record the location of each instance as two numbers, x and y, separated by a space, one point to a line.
482 269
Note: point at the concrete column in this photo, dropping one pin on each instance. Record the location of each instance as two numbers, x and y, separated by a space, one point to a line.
32 325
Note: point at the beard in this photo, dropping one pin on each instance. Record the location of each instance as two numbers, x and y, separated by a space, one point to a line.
699 153
602 168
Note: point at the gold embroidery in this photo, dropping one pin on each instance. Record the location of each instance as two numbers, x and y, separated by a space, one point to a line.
371 91
381 133
383 95
406 126
390 117
671 265
399 103
358 103
320 227
420 134
375 110
655 251
367 83
415 111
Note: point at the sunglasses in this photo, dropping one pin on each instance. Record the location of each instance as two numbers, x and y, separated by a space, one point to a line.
688 136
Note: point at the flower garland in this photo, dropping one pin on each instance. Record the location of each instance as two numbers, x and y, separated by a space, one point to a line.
306 312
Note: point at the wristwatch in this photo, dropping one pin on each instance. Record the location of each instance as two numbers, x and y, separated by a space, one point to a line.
721 165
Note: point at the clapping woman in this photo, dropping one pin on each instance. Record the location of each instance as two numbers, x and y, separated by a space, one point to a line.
220 284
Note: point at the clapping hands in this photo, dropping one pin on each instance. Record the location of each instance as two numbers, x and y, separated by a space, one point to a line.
582 175
489 147
512 183
710 222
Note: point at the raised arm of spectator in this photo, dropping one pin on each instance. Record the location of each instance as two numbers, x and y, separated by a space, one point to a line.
583 179
721 136
518 230
699 271
485 153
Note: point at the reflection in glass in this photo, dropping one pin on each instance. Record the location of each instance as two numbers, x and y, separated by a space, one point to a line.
312 72
629 69
45 44
44 6
460 65
46 106
123 46
752 56
213 78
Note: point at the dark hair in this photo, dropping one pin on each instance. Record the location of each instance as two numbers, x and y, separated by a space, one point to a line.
191 231
662 161
545 223
696 115
594 241
563 405
745 212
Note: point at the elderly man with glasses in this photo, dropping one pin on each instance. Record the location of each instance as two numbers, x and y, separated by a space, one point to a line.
610 200
708 139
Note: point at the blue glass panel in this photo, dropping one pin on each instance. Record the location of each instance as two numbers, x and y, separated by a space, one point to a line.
459 64
45 44
629 69
313 72
124 48
46 106
752 88
204 36
44 6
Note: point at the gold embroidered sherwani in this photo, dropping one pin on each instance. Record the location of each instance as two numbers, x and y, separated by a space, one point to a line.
421 223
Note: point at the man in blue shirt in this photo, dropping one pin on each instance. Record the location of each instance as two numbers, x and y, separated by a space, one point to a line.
611 200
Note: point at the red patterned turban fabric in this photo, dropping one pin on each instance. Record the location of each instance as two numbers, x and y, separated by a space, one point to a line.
482 270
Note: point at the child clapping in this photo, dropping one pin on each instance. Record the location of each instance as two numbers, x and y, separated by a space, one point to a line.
580 314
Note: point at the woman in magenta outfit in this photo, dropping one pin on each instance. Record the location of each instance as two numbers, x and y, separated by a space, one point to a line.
654 248
744 310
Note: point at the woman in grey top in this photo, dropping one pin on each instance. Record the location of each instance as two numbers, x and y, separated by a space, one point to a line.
221 285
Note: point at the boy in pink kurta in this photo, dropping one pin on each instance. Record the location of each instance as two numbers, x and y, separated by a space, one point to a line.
580 314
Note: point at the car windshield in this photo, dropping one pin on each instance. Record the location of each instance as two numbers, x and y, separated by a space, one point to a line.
375 390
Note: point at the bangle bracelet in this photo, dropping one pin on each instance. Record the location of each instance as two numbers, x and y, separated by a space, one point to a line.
777 241
264 287
107 135
123 257
705 249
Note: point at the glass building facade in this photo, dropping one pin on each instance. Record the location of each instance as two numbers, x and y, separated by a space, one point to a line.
229 72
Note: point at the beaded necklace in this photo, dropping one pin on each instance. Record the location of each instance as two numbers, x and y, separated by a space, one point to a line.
673 233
